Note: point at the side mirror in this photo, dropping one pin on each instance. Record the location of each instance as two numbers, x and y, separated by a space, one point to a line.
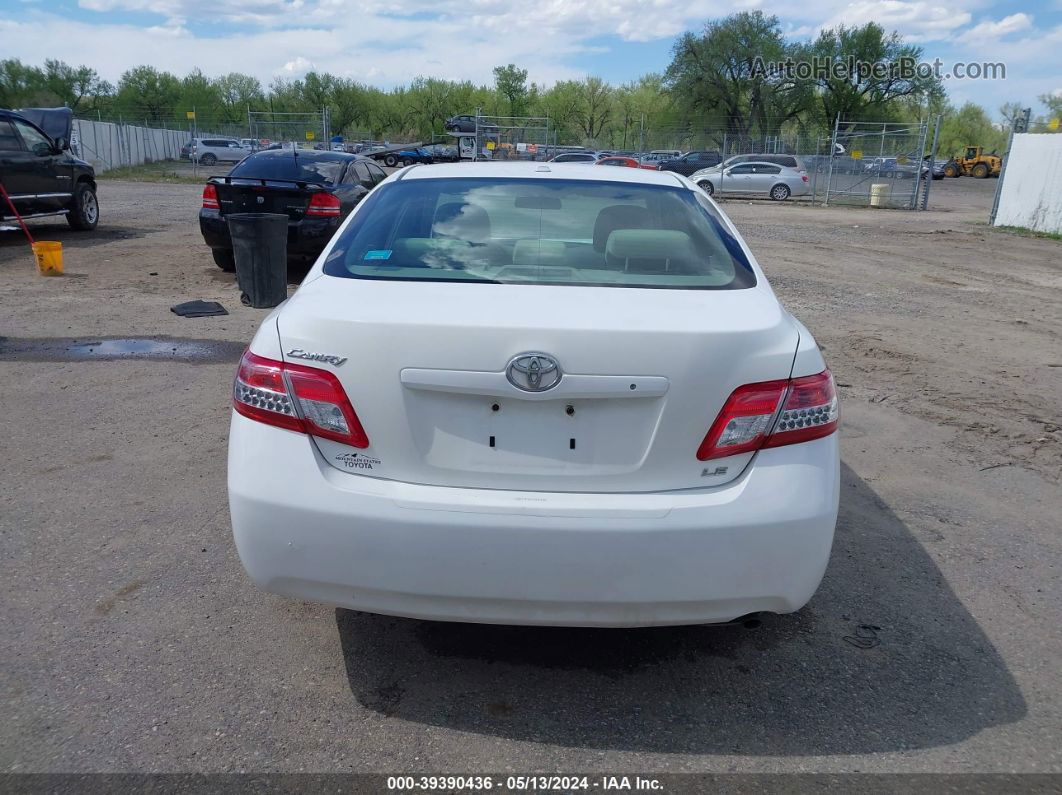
62 144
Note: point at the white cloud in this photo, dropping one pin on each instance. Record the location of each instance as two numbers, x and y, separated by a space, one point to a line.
398 51
388 43
917 20
993 30
297 66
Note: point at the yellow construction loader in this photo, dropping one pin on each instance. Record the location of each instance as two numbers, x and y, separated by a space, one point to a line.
974 163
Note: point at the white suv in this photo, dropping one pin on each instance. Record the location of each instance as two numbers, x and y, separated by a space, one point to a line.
532 394
209 151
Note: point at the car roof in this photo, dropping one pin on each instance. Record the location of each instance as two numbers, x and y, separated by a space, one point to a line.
545 171
310 154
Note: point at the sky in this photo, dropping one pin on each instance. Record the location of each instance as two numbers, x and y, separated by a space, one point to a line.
388 43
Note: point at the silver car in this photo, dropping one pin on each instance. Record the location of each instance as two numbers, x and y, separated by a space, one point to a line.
756 178
209 151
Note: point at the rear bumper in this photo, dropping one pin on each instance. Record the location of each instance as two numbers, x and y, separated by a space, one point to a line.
306 530
307 237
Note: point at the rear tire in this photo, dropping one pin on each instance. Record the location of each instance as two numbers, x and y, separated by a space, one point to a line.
224 259
390 161
980 171
707 187
208 159
84 212
406 163
780 192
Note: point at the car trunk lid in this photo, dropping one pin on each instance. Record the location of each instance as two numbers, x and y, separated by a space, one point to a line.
643 374
247 195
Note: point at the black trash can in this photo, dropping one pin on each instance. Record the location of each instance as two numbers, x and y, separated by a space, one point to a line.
260 246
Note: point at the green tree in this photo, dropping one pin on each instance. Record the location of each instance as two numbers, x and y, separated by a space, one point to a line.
595 107
511 83
1010 112
68 84
561 104
1053 103
199 93
722 77
869 94
146 94
20 85
969 125
237 93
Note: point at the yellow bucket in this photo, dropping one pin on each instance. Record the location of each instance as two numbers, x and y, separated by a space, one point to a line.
49 255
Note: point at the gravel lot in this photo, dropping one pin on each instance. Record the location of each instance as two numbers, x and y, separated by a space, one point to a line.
132 641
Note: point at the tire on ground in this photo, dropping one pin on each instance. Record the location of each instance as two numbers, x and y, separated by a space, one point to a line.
84 212
224 259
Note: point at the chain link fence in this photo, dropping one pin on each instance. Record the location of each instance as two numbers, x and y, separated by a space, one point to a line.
879 164
505 138
270 127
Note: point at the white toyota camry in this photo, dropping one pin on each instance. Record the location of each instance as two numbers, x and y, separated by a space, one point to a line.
536 394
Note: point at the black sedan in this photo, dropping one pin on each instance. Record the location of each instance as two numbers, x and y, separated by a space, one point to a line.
316 190
691 161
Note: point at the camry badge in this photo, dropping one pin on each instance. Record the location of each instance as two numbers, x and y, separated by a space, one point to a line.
299 353
533 372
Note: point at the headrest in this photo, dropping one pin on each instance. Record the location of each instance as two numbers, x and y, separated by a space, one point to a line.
409 250
461 221
538 252
649 250
617 216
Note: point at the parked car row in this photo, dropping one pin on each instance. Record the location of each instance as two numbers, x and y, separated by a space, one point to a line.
776 176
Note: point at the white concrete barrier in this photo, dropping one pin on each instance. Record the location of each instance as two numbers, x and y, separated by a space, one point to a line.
107 145
1031 193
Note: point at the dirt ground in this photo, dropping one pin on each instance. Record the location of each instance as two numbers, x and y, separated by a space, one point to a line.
133 641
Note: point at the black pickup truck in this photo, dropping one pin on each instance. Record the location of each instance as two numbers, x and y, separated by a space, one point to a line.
40 174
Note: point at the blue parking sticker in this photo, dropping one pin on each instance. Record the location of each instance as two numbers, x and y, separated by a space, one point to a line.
384 253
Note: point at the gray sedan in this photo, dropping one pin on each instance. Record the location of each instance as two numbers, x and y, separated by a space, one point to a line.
770 179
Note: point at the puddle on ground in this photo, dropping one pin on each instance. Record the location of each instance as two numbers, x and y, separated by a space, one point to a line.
71 349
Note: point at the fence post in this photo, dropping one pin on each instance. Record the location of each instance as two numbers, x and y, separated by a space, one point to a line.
932 163
923 129
833 154
1023 122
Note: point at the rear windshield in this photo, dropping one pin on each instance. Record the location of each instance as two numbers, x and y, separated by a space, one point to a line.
302 167
576 232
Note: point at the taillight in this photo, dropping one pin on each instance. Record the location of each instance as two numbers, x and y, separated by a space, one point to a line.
810 411
755 416
322 203
297 398
804 177
210 198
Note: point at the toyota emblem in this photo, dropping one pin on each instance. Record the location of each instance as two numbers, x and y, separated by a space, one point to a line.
533 372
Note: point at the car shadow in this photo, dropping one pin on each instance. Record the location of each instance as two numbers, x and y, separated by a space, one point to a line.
11 239
884 658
